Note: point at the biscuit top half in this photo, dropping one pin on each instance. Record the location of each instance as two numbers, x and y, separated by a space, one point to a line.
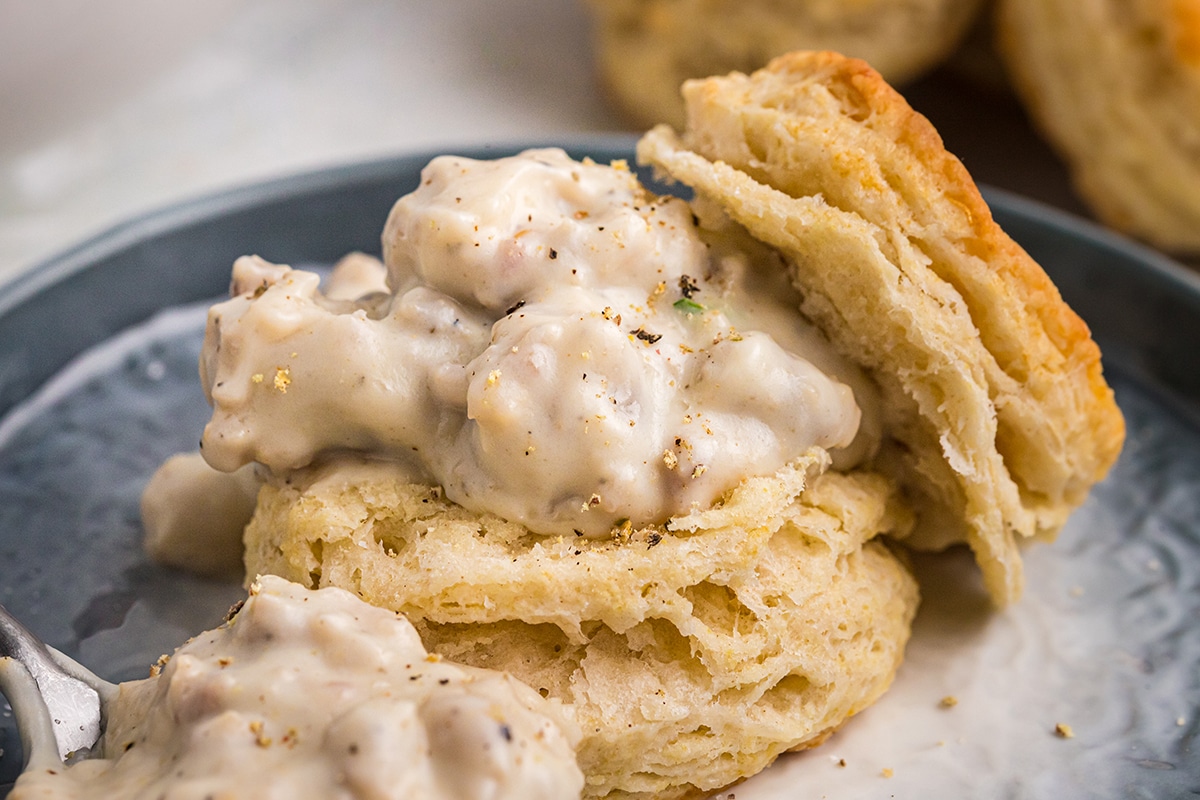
998 417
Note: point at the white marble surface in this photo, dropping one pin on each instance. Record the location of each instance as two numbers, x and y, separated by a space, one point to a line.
112 109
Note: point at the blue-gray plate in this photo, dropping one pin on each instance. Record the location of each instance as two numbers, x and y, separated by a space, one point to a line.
98 384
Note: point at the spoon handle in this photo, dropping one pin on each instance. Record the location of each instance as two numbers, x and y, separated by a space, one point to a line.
71 705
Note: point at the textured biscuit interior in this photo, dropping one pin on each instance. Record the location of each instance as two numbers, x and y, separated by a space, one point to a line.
690 654
1119 97
999 416
646 48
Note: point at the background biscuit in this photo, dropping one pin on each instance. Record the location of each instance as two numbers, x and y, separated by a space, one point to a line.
1115 86
646 48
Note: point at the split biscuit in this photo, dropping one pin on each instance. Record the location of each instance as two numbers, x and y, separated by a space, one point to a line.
691 654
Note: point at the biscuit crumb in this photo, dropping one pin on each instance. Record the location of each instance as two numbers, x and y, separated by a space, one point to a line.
1180 722
623 530
658 292
887 772
1063 731
283 379
949 701
157 667
256 727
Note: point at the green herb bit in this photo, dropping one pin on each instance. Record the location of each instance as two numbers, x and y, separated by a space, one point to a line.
688 306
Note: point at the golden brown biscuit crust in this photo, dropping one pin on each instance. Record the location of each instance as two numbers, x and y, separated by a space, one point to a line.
998 408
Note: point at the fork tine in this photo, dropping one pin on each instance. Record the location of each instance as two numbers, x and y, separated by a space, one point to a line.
70 704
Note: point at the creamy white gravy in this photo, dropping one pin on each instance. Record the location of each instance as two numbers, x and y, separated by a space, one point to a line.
556 346
315 694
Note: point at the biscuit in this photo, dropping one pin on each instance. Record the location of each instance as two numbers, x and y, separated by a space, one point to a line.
646 48
690 654
1115 87
998 415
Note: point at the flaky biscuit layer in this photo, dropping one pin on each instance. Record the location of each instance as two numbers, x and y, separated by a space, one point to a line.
691 654
999 416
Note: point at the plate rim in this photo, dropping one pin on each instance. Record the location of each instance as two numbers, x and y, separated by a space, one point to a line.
63 263
208 205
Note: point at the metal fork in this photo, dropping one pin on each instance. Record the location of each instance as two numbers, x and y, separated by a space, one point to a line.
59 705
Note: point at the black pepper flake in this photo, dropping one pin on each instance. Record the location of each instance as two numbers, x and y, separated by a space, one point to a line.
443 681
506 732
514 307
234 609
646 336
129 746
688 286
553 254
653 539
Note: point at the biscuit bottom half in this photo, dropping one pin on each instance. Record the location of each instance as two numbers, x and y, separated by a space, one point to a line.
690 654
